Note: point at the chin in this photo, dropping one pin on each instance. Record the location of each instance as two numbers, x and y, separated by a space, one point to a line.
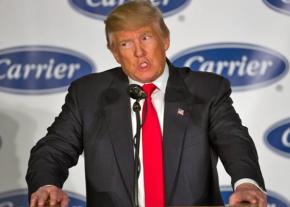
144 79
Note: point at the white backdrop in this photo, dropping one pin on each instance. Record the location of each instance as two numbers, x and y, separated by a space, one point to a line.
33 31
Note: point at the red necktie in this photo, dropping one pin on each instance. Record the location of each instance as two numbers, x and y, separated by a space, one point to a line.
152 152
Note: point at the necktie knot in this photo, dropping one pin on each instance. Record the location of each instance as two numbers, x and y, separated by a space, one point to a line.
149 88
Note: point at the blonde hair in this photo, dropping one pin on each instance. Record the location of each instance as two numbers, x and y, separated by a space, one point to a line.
133 15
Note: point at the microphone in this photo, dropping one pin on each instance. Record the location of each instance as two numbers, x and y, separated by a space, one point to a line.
136 92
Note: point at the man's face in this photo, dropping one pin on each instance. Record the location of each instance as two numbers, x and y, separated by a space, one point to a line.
140 52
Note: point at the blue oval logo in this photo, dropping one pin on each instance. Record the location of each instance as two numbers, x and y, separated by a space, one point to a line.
273 198
246 66
20 198
41 69
277 137
282 6
101 8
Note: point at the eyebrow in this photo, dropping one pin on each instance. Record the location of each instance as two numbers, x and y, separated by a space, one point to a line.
128 39
146 32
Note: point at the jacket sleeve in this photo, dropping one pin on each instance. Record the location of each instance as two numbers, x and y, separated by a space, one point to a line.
231 140
59 150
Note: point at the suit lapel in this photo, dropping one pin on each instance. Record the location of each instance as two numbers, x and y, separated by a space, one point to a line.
176 116
120 126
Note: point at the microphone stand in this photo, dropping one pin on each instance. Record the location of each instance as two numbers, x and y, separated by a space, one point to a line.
136 92
136 143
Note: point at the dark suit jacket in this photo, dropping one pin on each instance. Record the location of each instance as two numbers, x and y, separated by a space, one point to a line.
96 120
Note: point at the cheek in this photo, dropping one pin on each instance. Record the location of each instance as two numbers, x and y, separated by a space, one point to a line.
125 56
127 62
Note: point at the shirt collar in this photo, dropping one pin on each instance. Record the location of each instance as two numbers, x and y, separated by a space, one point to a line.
160 82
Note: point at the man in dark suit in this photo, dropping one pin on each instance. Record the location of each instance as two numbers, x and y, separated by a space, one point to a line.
194 110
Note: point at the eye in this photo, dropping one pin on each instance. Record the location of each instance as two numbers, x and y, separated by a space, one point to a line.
146 37
125 44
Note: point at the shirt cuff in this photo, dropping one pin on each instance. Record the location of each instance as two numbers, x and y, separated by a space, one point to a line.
248 180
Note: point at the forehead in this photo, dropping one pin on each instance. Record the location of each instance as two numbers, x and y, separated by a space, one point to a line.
128 34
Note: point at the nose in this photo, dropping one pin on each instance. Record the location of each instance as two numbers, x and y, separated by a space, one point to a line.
139 50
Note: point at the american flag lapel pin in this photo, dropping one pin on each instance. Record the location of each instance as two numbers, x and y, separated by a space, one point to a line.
180 112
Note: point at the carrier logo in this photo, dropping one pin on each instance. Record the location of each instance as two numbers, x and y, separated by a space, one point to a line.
40 69
282 6
19 198
246 66
274 199
278 137
101 8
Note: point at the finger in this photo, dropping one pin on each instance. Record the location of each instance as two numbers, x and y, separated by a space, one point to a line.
33 200
239 197
64 200
262 203
262 200
54 196
42 197
259 197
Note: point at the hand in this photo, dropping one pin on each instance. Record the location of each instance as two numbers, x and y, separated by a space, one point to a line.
49 195
249 193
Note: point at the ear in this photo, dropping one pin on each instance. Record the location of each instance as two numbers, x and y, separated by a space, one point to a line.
115 54
166 42
112 47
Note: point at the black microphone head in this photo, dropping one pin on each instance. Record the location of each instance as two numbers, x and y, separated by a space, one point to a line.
136 92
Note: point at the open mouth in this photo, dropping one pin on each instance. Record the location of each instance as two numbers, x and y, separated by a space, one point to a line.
144 65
